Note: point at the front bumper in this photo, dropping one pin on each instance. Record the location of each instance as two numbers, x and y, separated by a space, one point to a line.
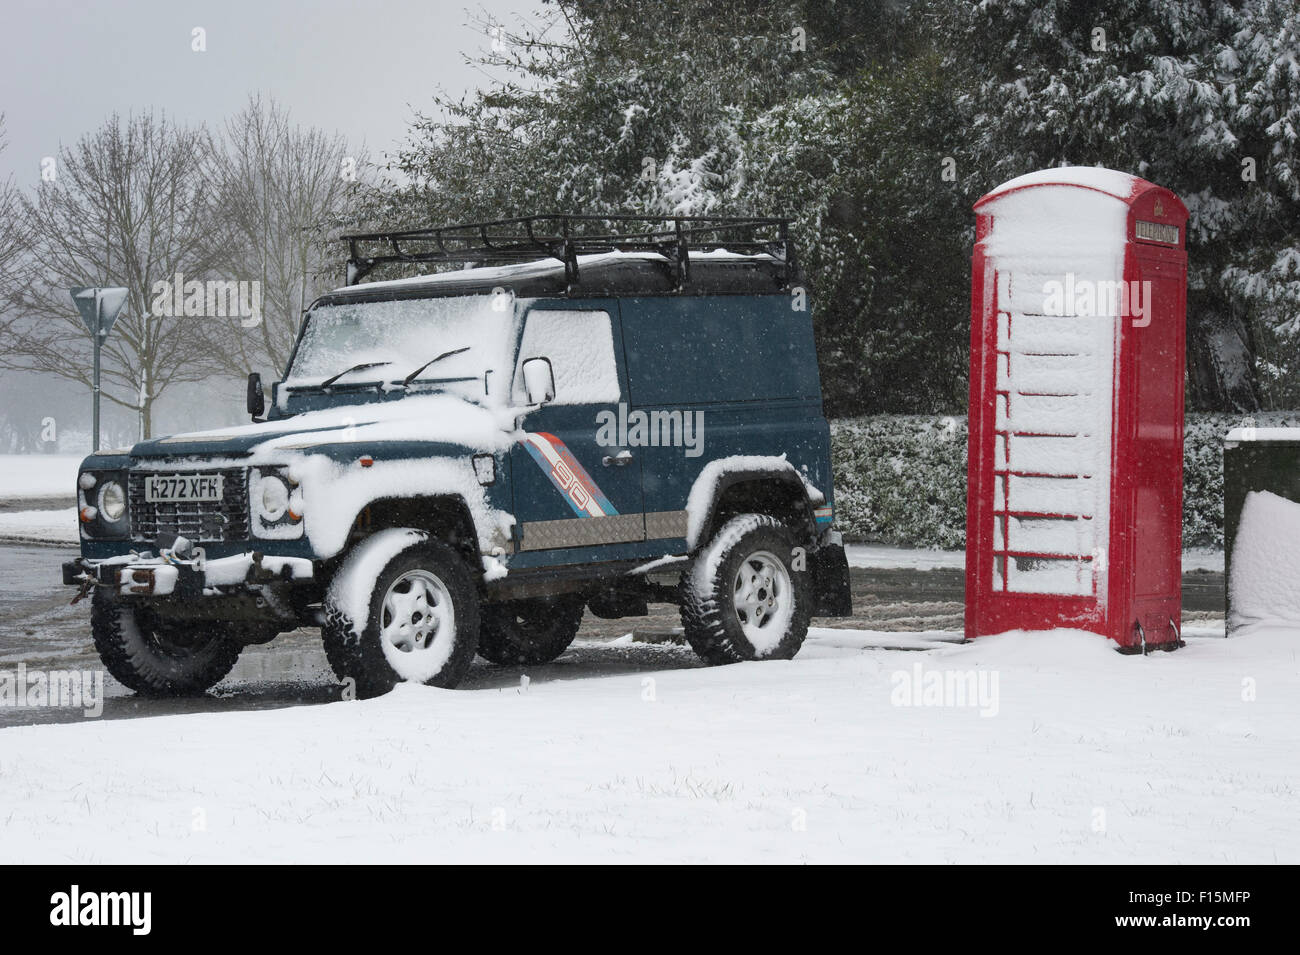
131 575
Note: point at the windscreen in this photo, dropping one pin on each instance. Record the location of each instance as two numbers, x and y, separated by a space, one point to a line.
395 338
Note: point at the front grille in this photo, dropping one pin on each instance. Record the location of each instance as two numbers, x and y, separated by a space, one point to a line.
197 521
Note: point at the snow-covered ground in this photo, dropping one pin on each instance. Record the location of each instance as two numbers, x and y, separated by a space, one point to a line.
1202 558
45 527
38 476
1074 753
888 557
40 479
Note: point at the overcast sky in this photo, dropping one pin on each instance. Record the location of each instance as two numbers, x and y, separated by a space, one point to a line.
357 66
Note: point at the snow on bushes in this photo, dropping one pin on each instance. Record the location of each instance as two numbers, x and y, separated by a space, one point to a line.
901 479
1203 470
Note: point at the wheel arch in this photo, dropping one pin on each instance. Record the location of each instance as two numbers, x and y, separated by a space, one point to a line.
772 487
444 517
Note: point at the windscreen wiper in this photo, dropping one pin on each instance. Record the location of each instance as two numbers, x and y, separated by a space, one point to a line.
447 354
347 371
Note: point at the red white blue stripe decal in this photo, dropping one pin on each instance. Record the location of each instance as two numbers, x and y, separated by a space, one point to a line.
569 477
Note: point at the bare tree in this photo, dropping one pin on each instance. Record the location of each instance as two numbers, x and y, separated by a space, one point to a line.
12 239
282 192
130 205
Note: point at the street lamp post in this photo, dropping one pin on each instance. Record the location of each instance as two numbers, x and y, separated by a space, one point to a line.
99 308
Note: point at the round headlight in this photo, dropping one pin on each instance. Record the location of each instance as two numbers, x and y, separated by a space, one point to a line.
112 501
273 498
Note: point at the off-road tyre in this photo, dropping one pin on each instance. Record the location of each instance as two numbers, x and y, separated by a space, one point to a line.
161 659
529 632
356 649
713 625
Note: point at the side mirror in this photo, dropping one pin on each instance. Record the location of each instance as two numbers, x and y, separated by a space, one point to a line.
256 402
539 381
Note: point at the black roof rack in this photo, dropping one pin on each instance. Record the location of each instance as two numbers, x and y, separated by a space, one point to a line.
565 237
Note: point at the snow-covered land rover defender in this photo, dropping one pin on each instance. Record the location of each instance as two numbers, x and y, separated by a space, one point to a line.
597 414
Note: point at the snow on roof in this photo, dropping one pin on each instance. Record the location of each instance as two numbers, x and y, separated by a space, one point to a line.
1121 185
1263 434
520 270
541 267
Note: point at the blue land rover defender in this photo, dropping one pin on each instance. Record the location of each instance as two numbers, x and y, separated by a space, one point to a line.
591 415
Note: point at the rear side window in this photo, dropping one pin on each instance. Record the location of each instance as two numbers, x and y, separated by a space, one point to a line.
580 345
690 350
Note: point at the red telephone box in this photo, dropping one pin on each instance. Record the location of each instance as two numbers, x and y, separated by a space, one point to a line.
1075 486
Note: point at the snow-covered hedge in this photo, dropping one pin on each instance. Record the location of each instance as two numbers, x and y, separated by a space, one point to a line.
901 479
1203 470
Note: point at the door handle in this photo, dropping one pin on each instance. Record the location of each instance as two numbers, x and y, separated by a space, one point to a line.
618 460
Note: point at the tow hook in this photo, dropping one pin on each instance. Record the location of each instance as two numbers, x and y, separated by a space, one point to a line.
87 585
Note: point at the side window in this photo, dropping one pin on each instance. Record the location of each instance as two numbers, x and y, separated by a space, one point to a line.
580 345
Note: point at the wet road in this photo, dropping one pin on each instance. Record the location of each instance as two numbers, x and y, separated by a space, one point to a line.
39 629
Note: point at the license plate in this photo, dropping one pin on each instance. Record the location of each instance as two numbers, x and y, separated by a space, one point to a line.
172 488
